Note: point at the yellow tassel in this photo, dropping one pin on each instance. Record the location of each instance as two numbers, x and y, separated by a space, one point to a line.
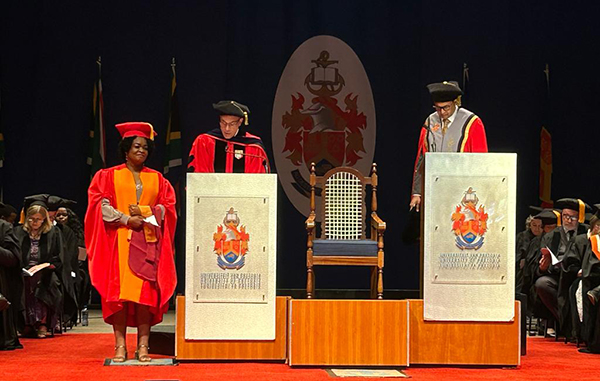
581 211
558 218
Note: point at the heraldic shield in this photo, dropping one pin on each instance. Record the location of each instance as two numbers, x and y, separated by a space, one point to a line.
323 113
469 223
231 243
325 133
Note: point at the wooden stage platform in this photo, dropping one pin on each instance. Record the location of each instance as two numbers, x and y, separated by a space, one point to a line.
320 332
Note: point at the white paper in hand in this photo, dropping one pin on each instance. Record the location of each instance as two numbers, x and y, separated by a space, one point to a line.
546 251
151 220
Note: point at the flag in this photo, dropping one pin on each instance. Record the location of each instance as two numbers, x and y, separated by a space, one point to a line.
545 168
546 149
97 140
465 83
173 154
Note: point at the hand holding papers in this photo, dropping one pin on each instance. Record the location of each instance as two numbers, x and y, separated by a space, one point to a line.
152 221
547 251
34 269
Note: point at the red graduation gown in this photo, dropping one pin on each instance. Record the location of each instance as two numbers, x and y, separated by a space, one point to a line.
211 153
104 246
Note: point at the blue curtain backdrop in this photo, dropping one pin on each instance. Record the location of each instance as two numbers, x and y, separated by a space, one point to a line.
238 49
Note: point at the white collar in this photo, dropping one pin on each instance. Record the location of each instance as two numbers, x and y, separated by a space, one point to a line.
453 116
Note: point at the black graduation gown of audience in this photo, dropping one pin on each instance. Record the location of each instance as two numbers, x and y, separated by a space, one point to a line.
581 253
70 265
530 275
10 286
565 276
48 289
522 245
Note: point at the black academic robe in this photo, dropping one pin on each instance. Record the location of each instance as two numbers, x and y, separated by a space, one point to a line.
70 266
49 288
565 274
10 286
530 275
589 329
522 244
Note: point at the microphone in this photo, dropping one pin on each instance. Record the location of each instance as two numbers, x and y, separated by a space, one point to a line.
432 145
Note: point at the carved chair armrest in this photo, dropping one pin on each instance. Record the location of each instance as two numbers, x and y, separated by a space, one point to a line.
310 224
377 223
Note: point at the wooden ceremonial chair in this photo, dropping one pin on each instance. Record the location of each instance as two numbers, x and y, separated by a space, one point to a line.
343 240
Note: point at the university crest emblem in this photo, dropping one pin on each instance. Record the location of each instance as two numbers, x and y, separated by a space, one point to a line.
469 222
323 113
231 242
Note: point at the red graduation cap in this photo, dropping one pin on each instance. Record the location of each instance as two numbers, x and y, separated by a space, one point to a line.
142 129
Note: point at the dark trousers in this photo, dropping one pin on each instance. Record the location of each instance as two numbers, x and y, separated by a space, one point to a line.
546 288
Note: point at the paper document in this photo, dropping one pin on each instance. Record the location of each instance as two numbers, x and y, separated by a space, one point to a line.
151 220
547 251
32 270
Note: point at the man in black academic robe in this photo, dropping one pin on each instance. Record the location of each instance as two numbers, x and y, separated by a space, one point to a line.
10 286
553 282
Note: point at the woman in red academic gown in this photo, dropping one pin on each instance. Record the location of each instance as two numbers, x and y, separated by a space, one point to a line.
129 229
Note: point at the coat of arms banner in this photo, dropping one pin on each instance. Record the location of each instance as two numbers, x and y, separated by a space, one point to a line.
469 232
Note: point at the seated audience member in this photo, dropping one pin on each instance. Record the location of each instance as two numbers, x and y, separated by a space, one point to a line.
70 264
65 216
550 219
10 281
533 228
586 289
550 288
8 213
41 246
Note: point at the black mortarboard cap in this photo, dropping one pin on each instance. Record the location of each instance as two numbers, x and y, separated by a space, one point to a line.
549 217
55 202
6 210
535 209
574 204
444 91
595 212
36 199
232 108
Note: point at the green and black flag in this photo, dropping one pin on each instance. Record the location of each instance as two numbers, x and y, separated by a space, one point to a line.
97 154
173 153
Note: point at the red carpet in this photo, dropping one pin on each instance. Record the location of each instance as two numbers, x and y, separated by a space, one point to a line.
80 357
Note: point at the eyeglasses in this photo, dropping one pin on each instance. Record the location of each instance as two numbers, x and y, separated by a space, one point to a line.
36 220
230 124
61 214
570 218
443 108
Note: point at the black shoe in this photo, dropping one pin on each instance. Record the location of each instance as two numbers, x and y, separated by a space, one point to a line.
84 318
584 350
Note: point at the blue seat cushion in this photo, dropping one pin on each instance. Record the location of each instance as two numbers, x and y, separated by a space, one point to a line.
357 247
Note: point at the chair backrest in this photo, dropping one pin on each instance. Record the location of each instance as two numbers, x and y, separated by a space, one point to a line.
343 206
